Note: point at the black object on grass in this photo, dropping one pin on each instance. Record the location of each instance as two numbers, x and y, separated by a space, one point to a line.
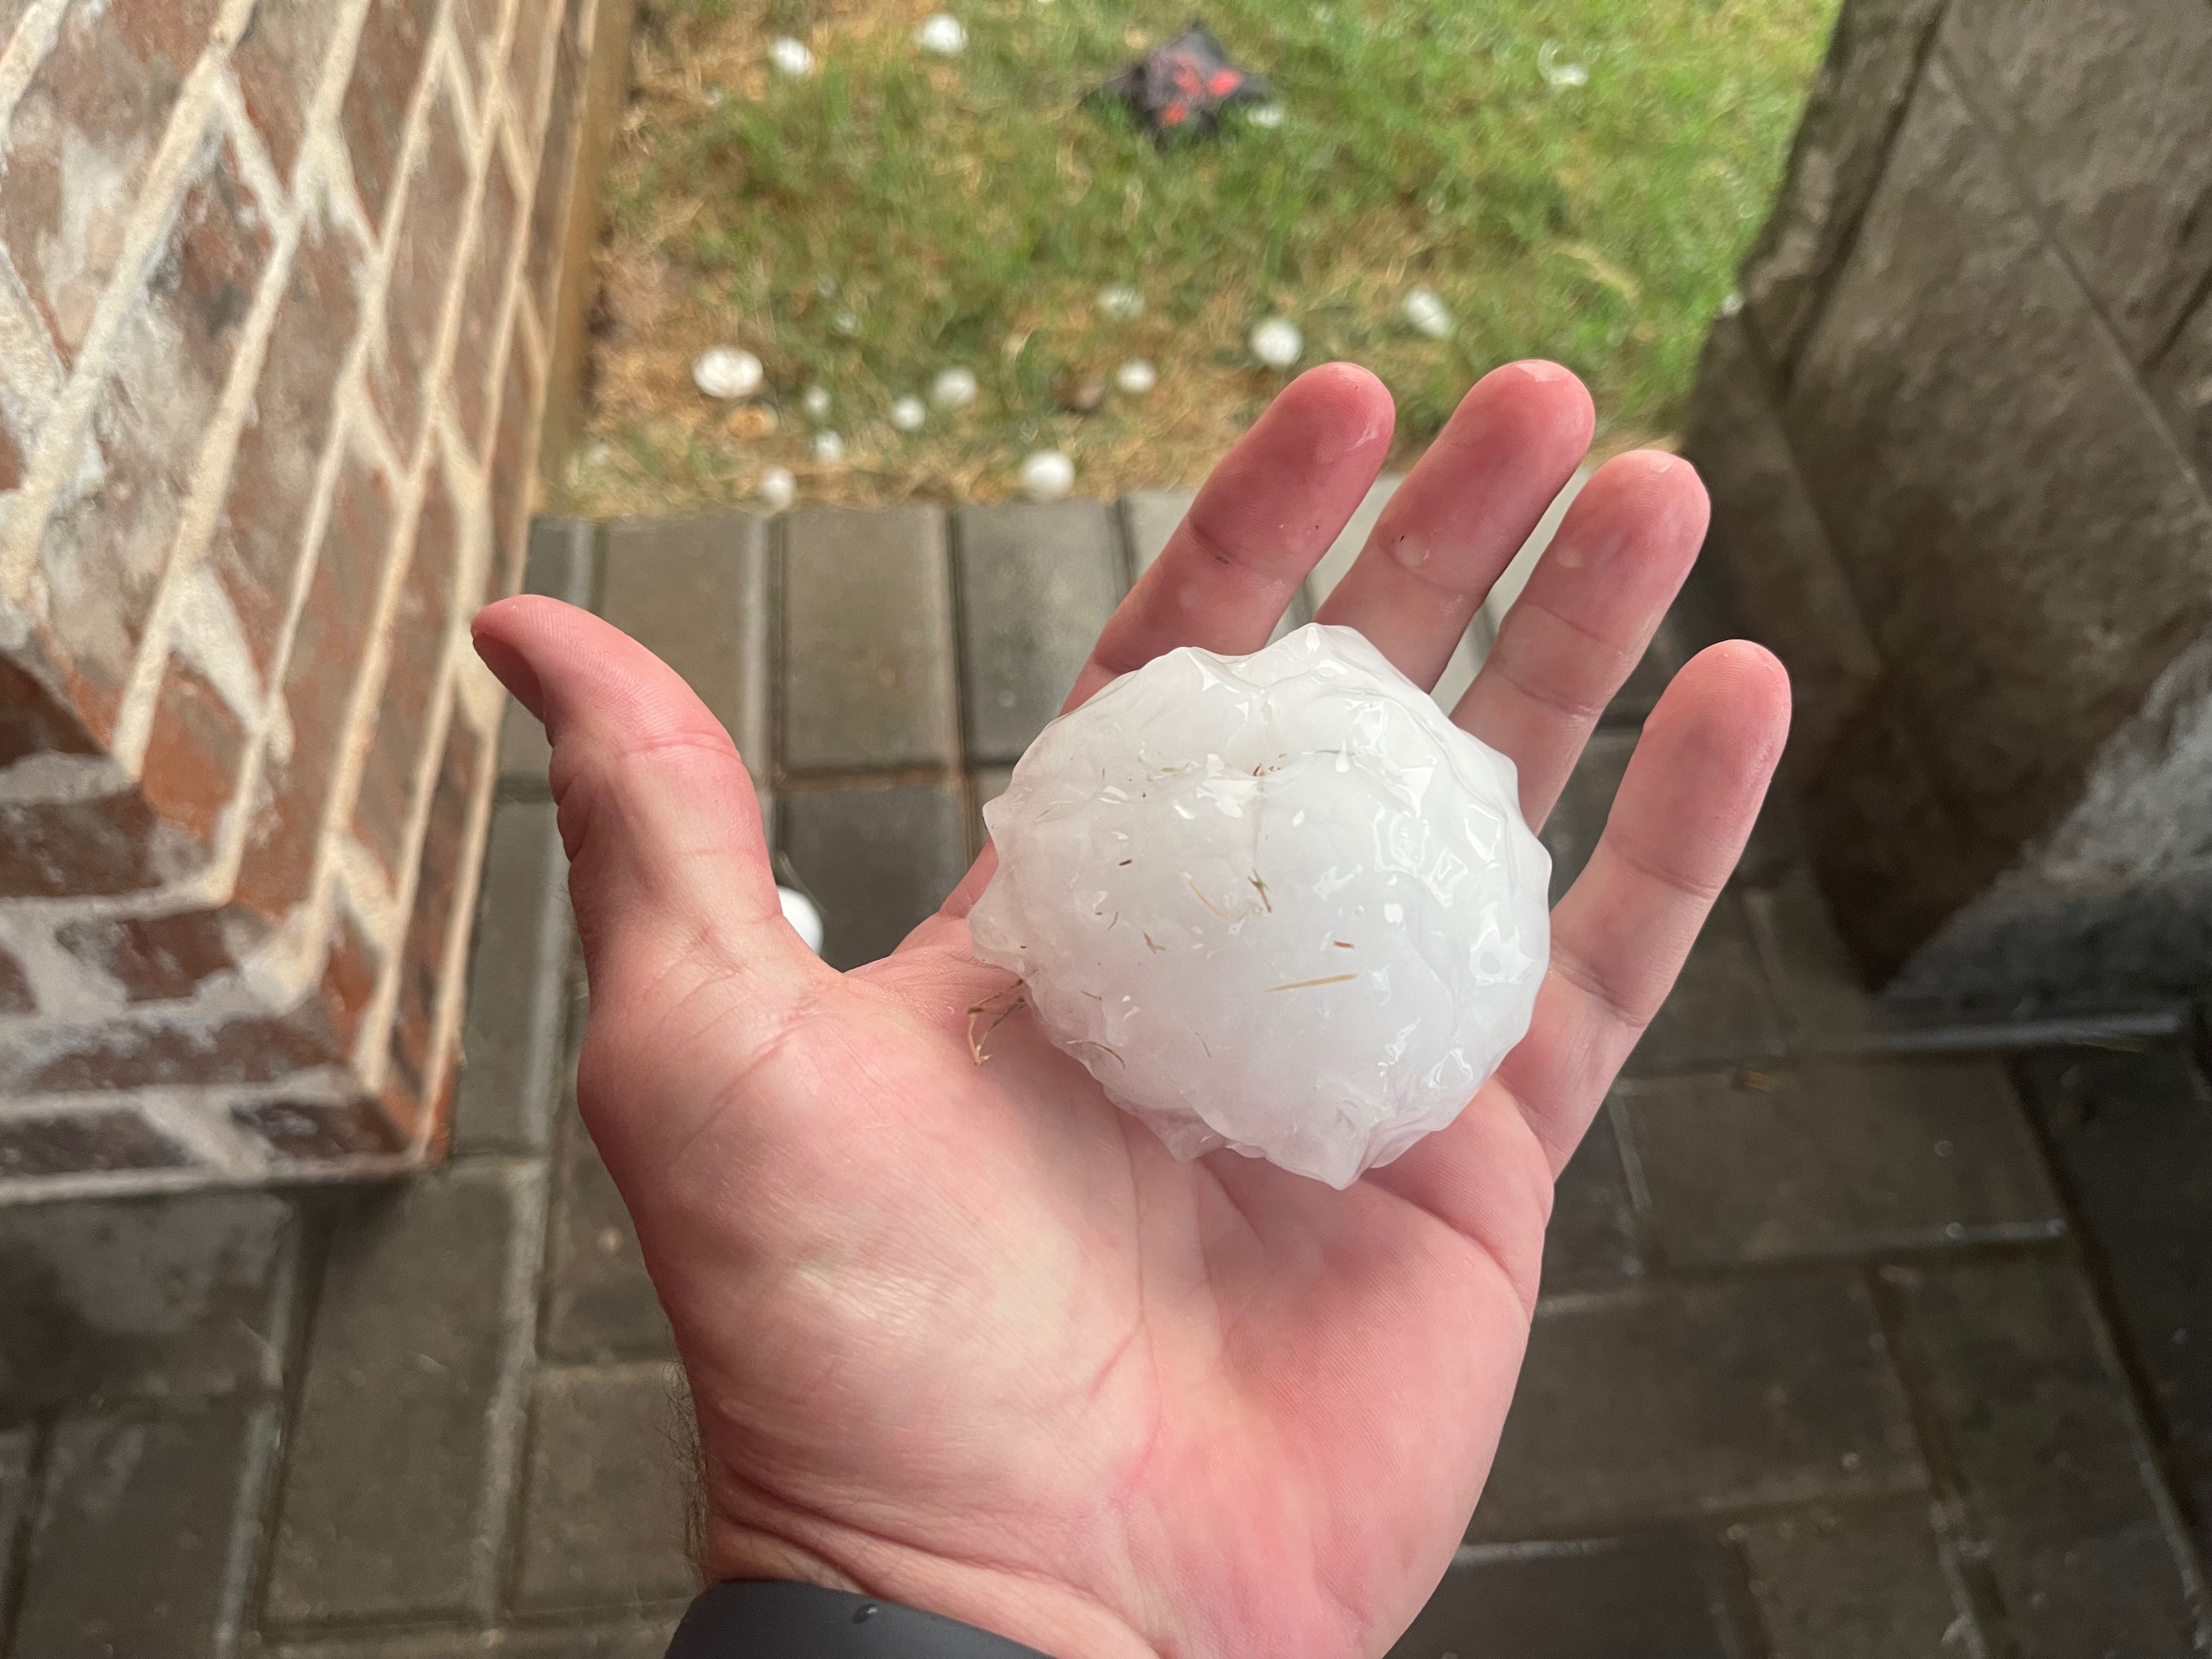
1178 90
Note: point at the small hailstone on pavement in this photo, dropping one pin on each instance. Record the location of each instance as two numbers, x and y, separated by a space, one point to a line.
790 56
1047 476
827 448
777 489
726 372
1122 302
1136 377
955 388
1277 343
942 35
815 400
908 413
1276 902
1425 313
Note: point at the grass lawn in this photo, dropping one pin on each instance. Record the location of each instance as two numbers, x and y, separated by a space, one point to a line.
893 214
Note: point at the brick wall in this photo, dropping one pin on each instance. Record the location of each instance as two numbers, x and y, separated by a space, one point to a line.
276 282
1959 439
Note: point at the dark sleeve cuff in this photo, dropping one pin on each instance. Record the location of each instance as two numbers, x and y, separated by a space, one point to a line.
761 1619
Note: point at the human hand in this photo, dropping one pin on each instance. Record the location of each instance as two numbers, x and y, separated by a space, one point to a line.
965 1337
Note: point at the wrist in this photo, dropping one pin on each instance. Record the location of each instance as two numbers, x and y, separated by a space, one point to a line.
1052 1618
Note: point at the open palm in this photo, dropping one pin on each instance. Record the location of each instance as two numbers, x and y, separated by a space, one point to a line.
962 1335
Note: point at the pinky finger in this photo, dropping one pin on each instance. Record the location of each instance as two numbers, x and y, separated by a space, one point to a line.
1620 936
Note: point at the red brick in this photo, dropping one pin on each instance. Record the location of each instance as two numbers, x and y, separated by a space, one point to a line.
422 255
319 1131
85 1145
67 849
259 538
279 63
475 27
163 958
515 457
527 56
33 720
319 688
557 165
105 551
100 100
138 1054
15 996
394 40
423 958
349 983
194 753
475 351
411 692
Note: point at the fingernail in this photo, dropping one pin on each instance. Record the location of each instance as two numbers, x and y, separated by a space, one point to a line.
508 667
1543 373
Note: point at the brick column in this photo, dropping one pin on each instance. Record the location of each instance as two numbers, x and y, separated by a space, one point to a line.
1959 438
277 282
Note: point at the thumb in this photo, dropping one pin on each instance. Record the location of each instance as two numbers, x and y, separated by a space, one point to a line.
668 867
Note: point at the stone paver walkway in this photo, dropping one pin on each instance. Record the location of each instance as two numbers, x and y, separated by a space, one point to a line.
1860 1335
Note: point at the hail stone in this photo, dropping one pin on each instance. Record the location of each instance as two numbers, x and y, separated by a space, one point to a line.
815 403
791 56
1425 313
777 489
1047 476
942 35
1277 343
953 388
1136 377
908 413
1275 902
726 372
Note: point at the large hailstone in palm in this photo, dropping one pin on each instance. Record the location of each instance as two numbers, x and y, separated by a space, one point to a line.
1276 903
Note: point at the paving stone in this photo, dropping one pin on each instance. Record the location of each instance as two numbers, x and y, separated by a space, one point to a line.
1592 1239
518 986
1665 1593
696 592
604 1508
1823 1003
18 1450
2131 1134
156 1499
1721 1008
164 1298
393 1443
1676 1400
564 564
2038 1423
880 857
642 1634
1037 586
1868 1581
600 1301
1835 1160
867 642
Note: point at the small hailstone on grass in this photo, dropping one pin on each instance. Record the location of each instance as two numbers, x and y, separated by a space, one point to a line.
845 324
1560 77
1047 476
726 372
1426 315
816 402
1122 302
828 449
908 413
955 388
1264 115
1136 377
1277 343
790 56
777 489
943 35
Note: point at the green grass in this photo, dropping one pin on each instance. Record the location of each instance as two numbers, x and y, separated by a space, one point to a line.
970 212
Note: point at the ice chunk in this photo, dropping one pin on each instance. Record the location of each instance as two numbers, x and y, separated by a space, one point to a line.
1276 902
